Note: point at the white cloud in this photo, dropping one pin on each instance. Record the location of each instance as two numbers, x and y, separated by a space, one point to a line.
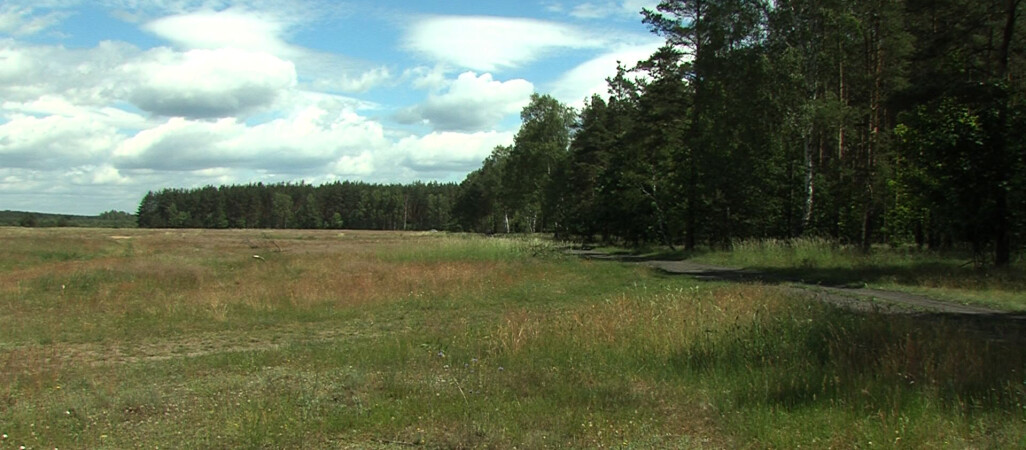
591 11
627 9
360 165
493 43
53 142
92 175
471 103
208 83
15 65
222 29
81 76
590 77
633 7
449 151
361 82
23 21
309 138
266 32
55 105
430 78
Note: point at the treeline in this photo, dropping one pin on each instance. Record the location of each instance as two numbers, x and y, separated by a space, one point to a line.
108 219
353 205
866 121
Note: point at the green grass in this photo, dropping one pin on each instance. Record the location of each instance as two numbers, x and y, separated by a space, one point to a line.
449 341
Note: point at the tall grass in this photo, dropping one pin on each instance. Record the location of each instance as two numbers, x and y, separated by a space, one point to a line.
448 247
785 374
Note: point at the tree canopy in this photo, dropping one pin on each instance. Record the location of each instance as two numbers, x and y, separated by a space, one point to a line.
864 121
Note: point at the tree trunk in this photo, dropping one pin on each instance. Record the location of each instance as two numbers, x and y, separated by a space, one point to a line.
1002 235
1003 250
660 217
810 188
692 200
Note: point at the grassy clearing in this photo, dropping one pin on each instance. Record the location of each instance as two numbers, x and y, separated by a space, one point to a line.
448 341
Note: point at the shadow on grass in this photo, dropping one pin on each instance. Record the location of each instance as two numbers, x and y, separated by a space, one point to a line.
856 270
879 362
913 274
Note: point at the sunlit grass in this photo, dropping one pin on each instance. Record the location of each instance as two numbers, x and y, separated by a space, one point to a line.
364 340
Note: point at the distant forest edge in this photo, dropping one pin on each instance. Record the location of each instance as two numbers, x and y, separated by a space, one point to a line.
109 219
353 205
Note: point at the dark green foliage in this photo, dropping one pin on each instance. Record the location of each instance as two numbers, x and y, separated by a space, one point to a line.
354 205
108 219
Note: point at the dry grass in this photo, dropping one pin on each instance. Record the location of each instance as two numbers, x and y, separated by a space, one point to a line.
185 278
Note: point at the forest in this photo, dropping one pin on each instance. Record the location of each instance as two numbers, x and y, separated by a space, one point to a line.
862 121
354 205
866 122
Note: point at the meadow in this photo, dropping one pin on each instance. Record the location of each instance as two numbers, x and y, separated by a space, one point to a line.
328 339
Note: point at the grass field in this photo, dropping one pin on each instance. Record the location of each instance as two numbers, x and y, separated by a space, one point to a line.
184 339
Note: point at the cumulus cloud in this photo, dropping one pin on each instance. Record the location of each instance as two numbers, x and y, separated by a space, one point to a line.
359 165
429 78
15 65
310 138
266 33
90 76
54 141
471 103
449 151
55 105
353 83
93 175
222 29
489 44
589 77
208 83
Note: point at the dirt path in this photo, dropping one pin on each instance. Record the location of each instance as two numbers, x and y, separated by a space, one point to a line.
848 297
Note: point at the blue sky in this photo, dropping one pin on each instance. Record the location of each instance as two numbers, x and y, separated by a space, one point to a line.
101 101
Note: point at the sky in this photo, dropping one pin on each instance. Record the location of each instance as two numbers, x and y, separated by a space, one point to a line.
104 100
